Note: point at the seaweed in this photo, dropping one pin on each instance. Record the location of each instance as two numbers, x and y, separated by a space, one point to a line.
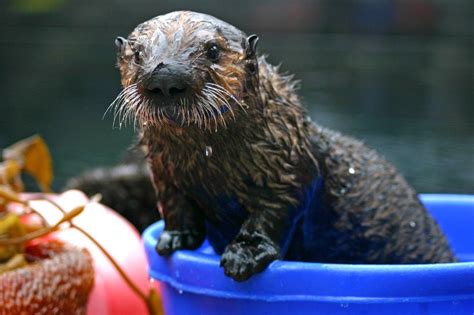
17 229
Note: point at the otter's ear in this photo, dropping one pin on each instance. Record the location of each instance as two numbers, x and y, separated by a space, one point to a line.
251 46
120 42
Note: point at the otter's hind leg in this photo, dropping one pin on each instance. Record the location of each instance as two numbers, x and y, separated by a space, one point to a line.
126 188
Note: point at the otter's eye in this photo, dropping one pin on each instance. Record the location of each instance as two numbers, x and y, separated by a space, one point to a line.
213 53
137 56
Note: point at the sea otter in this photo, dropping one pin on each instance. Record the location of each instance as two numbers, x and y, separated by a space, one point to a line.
234 157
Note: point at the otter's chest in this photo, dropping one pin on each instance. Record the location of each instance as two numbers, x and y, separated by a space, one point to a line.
215 180
207 171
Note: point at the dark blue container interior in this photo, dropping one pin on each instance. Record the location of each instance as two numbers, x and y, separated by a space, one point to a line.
191 282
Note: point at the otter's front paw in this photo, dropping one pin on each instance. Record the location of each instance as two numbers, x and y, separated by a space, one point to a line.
242 260
171 241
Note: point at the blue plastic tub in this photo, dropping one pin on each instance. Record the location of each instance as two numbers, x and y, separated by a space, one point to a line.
191 282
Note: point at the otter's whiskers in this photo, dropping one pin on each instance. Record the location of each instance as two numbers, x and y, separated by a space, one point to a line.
127 106
207 111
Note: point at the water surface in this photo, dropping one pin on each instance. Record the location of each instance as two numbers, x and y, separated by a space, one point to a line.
408 96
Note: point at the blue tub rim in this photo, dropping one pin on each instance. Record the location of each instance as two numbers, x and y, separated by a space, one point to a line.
340 283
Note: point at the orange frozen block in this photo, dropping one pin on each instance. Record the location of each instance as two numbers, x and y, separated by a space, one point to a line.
110 295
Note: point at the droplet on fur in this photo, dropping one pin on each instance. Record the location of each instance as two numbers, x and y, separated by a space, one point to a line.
343 191
208 151
351 170
145 124
412 224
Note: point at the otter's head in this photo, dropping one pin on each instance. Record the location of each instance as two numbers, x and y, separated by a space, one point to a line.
183 69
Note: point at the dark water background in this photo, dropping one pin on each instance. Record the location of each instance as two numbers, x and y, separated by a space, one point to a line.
397 74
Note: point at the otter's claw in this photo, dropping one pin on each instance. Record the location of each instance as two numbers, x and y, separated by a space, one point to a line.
171 241
241 260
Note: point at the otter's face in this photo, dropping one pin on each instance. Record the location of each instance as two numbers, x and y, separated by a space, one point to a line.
185 68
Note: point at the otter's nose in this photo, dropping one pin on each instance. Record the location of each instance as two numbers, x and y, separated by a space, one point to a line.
169 80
